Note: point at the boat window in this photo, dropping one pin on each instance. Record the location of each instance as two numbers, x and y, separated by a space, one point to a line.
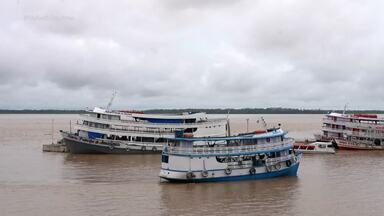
268 139
329 146
190 120
190 130
164 158
248 142
309 147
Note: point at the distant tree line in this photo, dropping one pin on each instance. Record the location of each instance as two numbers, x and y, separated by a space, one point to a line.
260 111
41 111
209 111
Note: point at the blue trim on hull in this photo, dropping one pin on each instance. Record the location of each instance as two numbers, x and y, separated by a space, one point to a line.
292 171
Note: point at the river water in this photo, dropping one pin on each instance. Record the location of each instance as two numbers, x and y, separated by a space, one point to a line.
37 183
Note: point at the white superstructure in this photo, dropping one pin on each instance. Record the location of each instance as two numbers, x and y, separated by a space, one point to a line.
241 157
137 130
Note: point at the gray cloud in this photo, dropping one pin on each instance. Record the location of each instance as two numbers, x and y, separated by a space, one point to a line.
191 53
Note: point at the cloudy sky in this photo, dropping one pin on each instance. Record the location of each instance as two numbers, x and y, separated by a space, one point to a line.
71 54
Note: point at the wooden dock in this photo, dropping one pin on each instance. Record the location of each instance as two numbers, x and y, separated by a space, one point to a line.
56 147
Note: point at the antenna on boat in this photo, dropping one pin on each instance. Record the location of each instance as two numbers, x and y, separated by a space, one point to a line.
345 108
228 125
264 123
247 124
52 130
110 101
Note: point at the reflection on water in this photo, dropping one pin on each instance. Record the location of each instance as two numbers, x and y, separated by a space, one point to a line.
111 168
37 183
274 196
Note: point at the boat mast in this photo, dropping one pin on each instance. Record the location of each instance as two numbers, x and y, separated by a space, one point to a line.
247 124
110 102
52 130
264 123
345 108
228 125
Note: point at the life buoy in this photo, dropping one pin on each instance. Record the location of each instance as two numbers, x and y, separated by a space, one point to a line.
288 163
154 148
190 175
294 159
143 148
204 173
267 168
277 166
228 171
111 147
252 171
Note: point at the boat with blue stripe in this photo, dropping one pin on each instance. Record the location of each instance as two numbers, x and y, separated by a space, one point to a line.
242 157
104 131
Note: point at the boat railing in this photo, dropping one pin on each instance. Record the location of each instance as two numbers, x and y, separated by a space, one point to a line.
267 162
113 142
274 161
360 144
379 134
159 132
227 149
332 121
94 141
337 130
368 130
355 122
133 122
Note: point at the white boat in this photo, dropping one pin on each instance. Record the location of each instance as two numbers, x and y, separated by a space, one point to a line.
364 138
243 157
125 132
316 147
354 131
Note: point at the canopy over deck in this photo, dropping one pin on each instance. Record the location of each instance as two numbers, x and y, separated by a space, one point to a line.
271 134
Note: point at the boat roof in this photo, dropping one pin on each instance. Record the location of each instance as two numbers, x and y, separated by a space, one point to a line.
170 116
356 116
185 115
275 133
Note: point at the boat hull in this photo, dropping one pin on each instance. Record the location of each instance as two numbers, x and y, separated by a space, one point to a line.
84 147
315 148
316 152
290 171
346 145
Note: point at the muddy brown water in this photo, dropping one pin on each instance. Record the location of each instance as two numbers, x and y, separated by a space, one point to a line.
37 183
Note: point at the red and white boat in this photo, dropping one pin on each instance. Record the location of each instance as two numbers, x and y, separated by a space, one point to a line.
354 131
315 147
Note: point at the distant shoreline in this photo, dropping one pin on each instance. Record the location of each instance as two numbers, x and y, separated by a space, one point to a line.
208 111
